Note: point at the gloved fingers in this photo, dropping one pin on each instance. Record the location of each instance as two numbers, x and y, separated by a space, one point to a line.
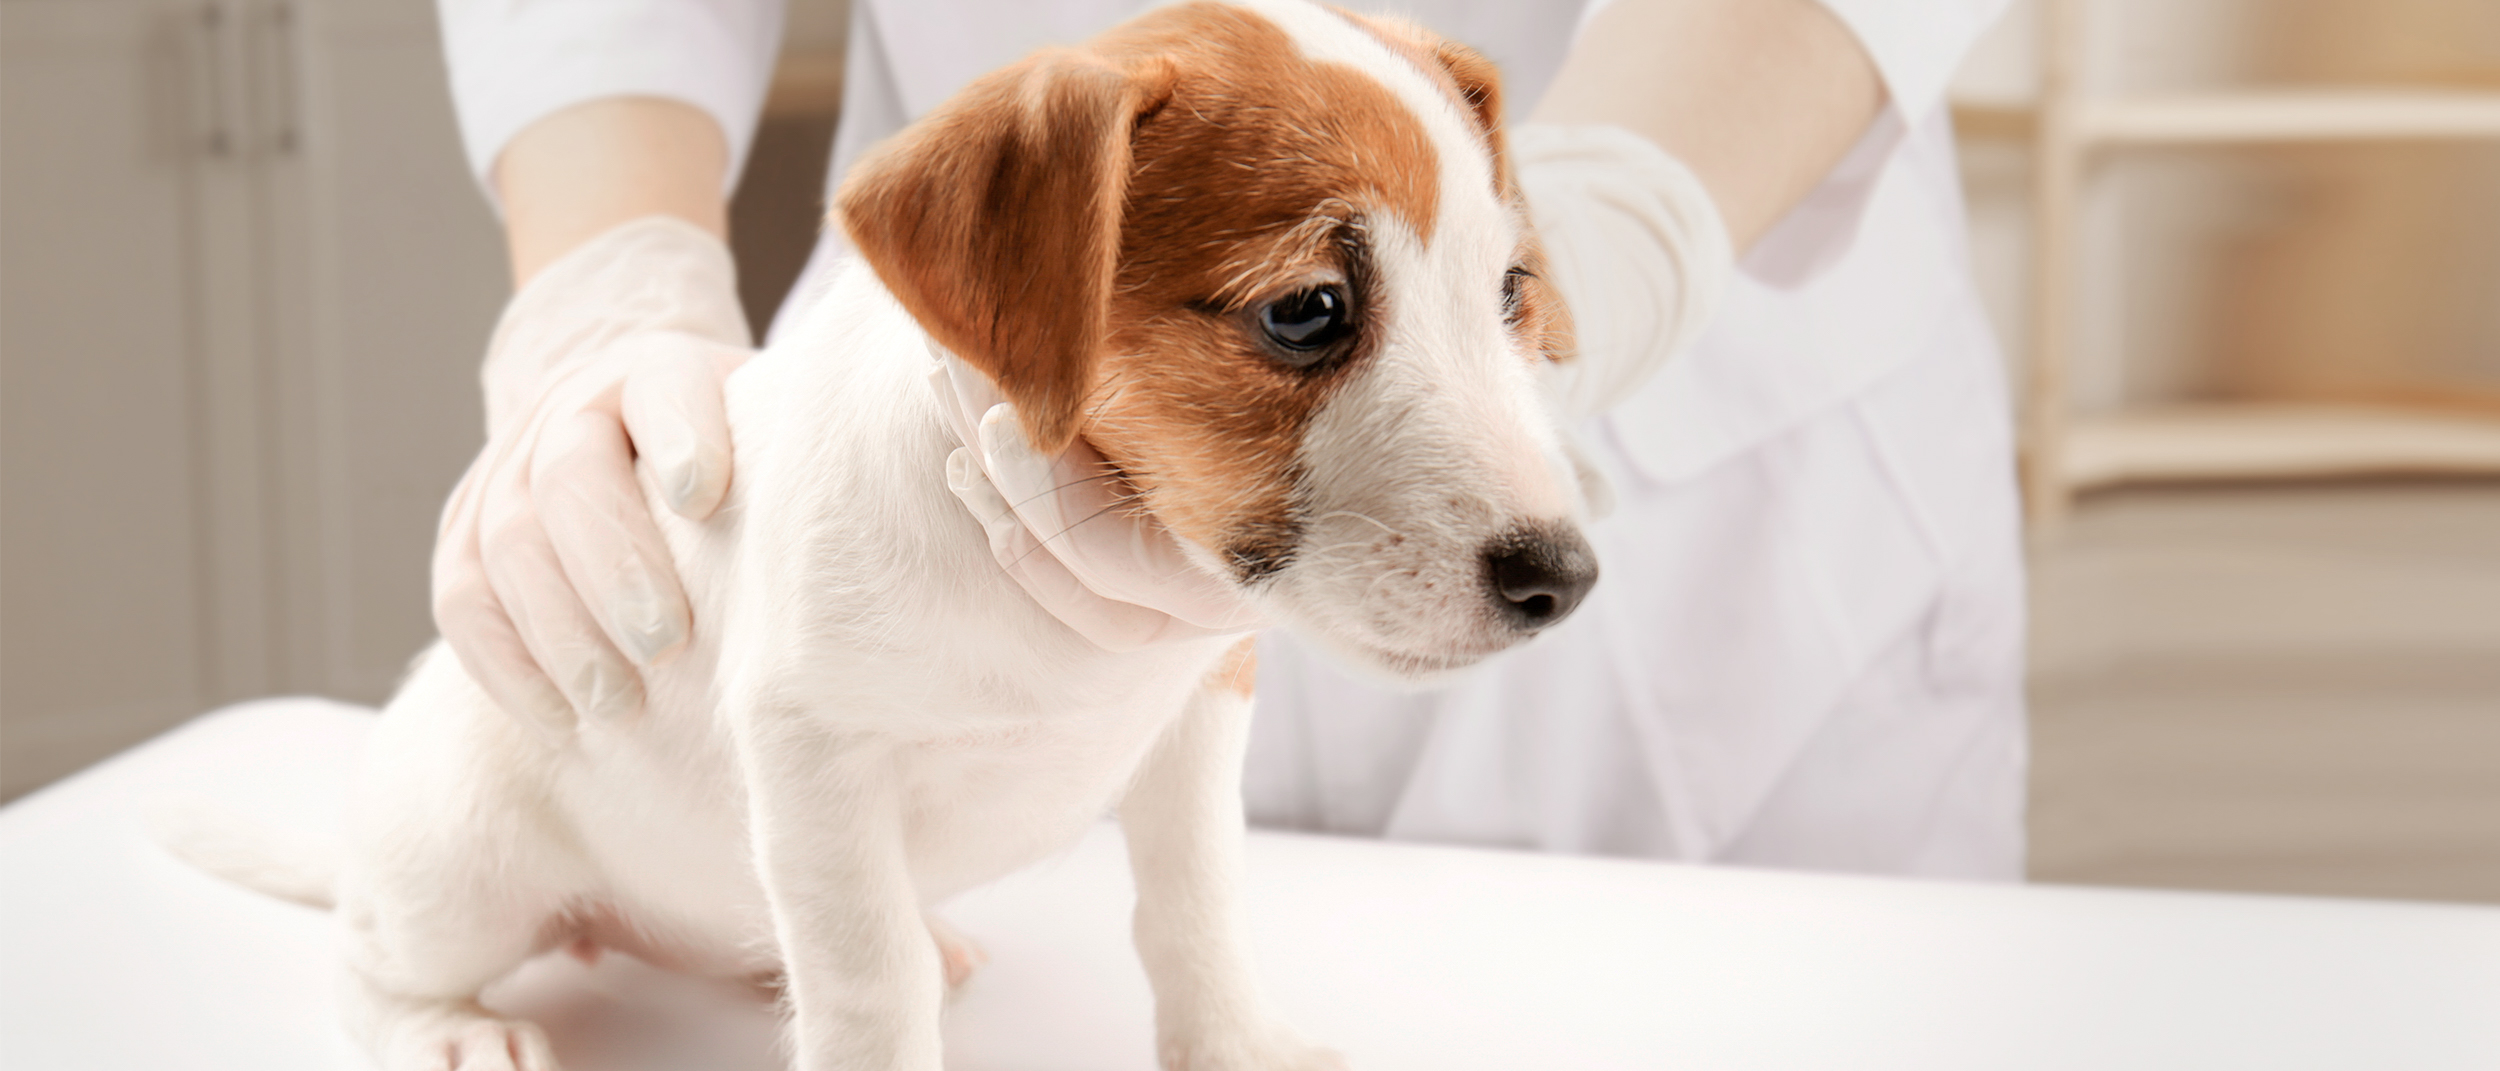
1009 542
492 652
531 584
1111 625
1052 495
1075 505
477 630
677 419
599 527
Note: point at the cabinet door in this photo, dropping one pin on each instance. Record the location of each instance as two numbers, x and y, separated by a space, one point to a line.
392 272
120 332
245 283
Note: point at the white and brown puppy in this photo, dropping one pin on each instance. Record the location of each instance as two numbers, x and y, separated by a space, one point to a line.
1267 260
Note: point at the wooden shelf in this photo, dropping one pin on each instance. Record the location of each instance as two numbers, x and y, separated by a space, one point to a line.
2252 118
2064 129
1995 120
2292 116
2276 441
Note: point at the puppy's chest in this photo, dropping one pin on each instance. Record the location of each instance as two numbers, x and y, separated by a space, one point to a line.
997 769
992 792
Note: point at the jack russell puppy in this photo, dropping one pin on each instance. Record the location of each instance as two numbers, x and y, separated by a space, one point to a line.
1268 261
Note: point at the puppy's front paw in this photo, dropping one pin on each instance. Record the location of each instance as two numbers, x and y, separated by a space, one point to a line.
472 1043
1272 1049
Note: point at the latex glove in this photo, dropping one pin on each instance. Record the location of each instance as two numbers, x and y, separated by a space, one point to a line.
1057 526
1634 243
551 580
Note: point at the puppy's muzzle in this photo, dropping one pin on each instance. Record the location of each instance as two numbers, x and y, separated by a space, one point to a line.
1537 573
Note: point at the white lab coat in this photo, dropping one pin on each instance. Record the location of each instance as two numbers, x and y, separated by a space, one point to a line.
1806 649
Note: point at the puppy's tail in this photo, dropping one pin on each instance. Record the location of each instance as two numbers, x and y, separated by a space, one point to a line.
270 862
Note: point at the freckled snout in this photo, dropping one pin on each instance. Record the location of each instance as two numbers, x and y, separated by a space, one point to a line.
1536 574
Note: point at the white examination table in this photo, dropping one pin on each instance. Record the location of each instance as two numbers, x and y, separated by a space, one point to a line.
119 957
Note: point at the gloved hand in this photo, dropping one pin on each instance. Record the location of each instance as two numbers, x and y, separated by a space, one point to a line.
1635 245
1637 249
551 580
1056 525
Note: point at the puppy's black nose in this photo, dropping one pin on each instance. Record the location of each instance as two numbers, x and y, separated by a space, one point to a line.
1536 574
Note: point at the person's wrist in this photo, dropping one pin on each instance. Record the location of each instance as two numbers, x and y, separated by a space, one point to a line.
576 173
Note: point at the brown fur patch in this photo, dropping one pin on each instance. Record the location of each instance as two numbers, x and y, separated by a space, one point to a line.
1474 83
1240 668
1463 74
1244 185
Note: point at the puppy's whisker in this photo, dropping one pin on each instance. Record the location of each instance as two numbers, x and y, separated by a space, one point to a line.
1038 496
1365 518
1375 584
1095 414
1072 526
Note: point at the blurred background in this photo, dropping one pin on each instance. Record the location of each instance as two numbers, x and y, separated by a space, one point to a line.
2244 256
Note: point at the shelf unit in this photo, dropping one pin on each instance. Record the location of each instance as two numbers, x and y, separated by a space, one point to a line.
2067 131
2278 439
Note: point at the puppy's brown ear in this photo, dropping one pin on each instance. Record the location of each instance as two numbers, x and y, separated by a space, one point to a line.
996 222
1479 85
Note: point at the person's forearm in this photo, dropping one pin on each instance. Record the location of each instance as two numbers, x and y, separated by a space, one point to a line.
1759 97
571 176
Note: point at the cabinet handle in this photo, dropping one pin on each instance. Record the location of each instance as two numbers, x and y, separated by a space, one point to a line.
282 59
220 139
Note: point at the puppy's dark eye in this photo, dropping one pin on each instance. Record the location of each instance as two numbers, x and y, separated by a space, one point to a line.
1305 323
1513 281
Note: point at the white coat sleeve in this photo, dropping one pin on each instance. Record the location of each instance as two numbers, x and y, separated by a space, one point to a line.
514 62
1917 46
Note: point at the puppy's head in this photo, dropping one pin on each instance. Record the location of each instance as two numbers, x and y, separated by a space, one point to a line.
1269 261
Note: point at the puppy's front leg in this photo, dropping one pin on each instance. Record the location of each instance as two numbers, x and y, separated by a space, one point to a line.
826 817
1183 818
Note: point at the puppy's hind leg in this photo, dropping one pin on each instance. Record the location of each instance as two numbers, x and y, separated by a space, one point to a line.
415 966
457 871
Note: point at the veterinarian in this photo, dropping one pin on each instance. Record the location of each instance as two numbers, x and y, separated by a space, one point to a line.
1806 650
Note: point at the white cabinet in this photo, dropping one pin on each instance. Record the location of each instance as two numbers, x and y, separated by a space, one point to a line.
395 268
103 175
244 284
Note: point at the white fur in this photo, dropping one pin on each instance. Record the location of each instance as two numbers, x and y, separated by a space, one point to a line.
872 716
881 719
